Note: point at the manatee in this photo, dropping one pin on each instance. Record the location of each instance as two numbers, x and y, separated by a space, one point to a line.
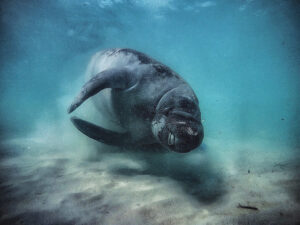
151 102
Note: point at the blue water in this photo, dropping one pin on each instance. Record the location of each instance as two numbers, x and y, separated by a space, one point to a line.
242 58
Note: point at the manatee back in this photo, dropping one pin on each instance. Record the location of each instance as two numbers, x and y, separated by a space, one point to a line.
101 61
107 59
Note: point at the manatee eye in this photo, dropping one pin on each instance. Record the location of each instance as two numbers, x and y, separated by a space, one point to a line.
166 111
185 103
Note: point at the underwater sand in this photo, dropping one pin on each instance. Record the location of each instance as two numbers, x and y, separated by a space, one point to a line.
44 184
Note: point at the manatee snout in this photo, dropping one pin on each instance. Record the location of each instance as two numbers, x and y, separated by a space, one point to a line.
189 137
178 135
185 137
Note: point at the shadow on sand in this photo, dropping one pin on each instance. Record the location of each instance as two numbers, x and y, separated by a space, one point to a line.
29 183
193 172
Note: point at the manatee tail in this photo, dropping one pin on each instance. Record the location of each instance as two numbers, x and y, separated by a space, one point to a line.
101 134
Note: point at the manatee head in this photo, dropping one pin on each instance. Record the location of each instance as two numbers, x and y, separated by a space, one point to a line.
178 131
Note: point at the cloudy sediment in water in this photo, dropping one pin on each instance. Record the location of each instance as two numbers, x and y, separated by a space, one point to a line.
242 60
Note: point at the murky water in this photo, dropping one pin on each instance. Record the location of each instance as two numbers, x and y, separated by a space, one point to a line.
242 58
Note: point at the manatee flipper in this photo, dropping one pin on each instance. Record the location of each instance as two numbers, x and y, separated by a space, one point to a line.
101 134
112 78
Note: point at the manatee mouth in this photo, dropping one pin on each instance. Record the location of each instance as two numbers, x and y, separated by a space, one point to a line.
185 138
180 132
171 139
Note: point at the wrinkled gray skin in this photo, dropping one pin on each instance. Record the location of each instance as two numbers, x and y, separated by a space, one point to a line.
149 100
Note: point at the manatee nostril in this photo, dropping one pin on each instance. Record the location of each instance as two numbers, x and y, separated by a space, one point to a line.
192 132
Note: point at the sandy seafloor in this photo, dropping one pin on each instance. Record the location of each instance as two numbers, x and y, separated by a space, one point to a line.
44 183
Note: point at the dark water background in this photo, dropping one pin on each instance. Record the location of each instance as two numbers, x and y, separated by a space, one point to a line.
242 58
